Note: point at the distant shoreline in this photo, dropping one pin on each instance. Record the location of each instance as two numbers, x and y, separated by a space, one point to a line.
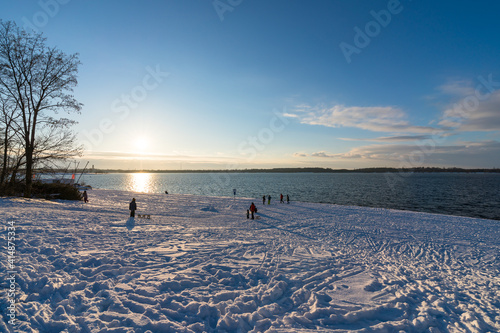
309 170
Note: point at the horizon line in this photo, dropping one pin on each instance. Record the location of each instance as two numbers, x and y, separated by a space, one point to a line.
288 169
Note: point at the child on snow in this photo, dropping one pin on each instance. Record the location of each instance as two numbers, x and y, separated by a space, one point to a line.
253 209
132 207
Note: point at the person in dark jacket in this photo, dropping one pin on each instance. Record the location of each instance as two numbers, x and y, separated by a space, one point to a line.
253 210
263 199
133 207
268 199
287 199
85 197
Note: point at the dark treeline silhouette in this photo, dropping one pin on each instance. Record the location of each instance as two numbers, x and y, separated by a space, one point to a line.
311 170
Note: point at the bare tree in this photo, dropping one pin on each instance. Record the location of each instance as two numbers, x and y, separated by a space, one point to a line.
55 142
10 143
40 80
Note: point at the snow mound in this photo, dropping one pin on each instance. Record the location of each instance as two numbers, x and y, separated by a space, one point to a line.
209 209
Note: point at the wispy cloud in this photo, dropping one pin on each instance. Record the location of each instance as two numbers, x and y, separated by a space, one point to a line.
475 153
116 155
376 119
474 105
466 106
471 114
456 87
399 138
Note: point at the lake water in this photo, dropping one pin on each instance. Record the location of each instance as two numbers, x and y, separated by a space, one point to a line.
464 194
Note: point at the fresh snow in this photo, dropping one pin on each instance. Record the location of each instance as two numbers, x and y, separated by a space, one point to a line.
198 265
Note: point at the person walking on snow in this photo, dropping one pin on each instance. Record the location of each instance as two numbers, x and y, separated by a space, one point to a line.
85 197
263 199
281 198
253 210
287 199
133 207
268 199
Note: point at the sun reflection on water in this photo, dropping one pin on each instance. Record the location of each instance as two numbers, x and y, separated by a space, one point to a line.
140 182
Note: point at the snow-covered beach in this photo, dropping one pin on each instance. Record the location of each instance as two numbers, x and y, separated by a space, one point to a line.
199 265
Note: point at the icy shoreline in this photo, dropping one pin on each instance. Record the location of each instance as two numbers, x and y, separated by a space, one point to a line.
199 265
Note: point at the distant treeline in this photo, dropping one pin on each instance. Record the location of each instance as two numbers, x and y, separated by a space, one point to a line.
310 170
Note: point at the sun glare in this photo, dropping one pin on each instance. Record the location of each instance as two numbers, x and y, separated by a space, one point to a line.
140 182
141 144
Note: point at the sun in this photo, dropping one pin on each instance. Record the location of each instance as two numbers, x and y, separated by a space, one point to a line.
141 144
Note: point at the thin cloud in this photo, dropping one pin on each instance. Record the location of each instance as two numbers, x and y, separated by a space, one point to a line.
350 155
400 138
115 155
483 153
322 154
471 114
376 119
457 87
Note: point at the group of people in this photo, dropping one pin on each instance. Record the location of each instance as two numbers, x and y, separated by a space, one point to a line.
269 199
253 209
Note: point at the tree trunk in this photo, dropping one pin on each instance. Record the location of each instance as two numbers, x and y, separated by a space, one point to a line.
15 169
5 159
29 172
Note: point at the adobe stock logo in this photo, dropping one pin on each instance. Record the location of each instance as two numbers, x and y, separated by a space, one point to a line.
223 6
254 144
458 114
251 146
363 37
49 9
123 106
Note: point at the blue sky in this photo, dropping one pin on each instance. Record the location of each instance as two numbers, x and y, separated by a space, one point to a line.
207 84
